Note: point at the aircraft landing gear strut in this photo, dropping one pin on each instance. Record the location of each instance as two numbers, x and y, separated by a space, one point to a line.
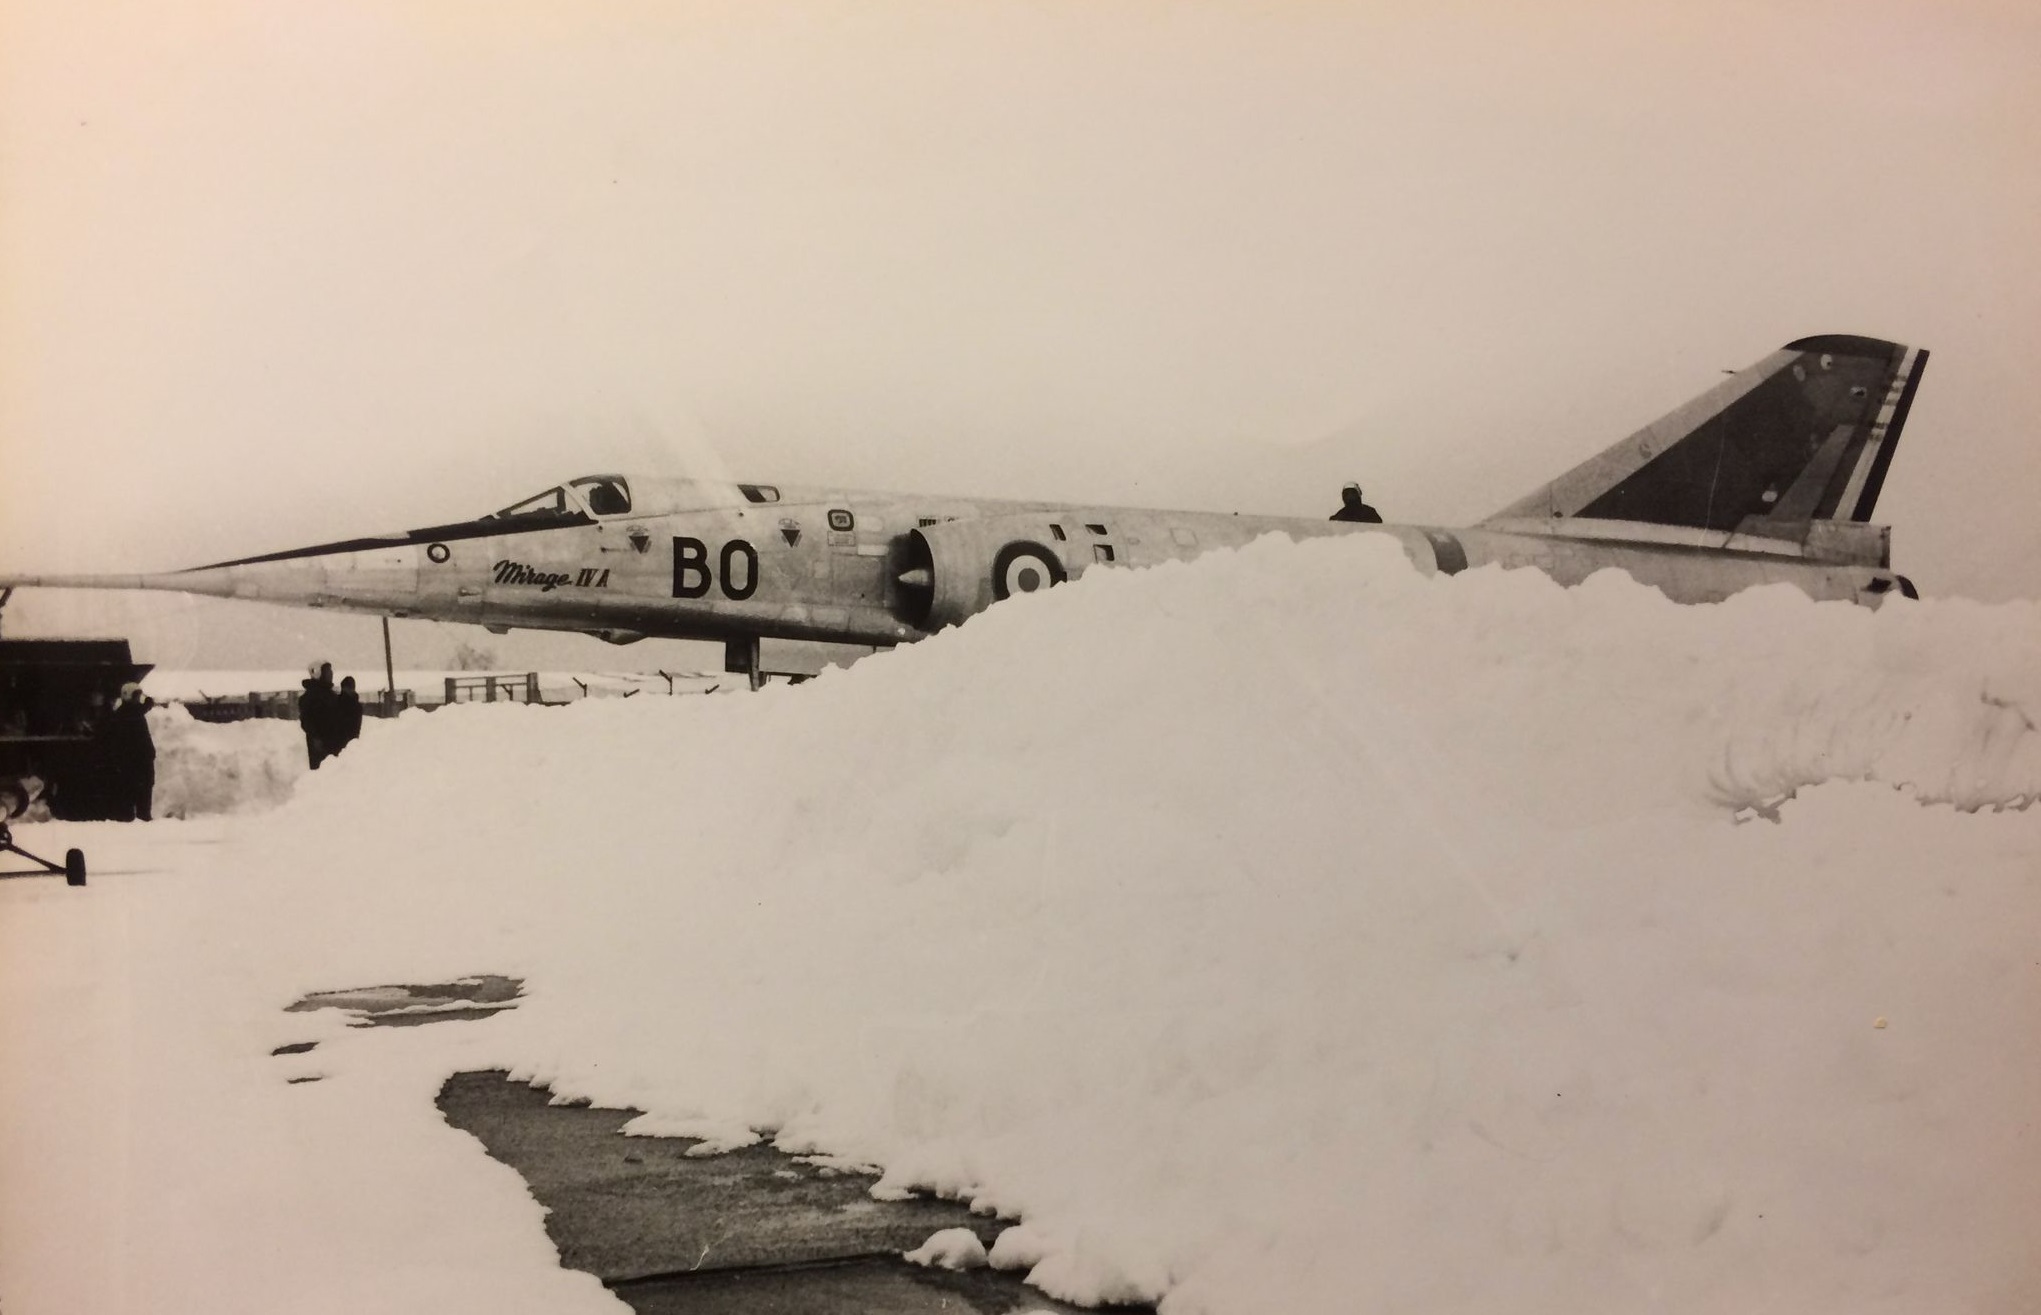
741 655
72 870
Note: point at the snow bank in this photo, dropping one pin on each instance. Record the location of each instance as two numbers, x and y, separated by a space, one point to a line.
247 766
228 767
1282 931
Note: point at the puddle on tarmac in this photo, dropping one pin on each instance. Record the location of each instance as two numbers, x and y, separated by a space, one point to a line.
462 1000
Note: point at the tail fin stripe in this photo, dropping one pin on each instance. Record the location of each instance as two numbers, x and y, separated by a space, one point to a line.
1875 436
1861 495
1800 500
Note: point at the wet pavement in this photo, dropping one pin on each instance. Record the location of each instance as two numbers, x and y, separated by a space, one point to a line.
752 1230
465 999
835 1288
747 1230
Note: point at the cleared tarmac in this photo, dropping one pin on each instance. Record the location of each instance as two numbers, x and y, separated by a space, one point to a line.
747 1230
751 1230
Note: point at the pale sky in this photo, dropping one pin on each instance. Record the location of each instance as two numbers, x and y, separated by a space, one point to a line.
271 274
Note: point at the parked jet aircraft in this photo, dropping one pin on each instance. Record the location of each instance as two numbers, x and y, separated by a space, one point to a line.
1771 475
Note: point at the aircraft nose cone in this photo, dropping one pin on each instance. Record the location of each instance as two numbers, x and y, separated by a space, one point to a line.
300 581
373 579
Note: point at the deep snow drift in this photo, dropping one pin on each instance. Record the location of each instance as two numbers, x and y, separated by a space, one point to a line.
1279 932
231 767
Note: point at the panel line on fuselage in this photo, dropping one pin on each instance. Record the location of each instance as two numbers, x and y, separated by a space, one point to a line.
475 529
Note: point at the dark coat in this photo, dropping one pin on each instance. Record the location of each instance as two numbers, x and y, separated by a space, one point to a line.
346 717
129 762
127 735
1352 508
318 711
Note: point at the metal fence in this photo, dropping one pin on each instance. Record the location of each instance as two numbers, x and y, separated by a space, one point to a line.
493 689
481 687
283 705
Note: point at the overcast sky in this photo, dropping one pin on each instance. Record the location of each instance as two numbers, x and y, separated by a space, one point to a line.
277 273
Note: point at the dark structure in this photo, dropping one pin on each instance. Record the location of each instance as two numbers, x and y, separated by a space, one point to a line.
54 696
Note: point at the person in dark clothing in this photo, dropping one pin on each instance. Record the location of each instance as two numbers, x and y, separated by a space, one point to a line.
131 755
1353 509
85 792
318 709
346 716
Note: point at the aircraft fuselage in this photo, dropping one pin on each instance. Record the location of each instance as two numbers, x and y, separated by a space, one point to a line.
882 569
1770 476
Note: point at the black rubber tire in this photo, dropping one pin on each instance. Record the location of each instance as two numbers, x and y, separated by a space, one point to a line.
74 867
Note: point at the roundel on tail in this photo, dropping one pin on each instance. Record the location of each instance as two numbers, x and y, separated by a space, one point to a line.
1023 568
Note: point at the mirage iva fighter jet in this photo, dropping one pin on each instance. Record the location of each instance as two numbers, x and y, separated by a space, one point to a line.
1769 476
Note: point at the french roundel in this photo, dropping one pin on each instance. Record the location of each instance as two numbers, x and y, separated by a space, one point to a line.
438 552
1023 568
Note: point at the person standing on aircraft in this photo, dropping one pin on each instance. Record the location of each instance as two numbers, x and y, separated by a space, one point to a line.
317 709
1353 509
346 716
132 756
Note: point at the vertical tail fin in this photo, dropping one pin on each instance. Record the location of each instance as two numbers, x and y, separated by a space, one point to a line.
1806 434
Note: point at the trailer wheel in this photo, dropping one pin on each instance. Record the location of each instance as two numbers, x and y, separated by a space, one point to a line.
74 867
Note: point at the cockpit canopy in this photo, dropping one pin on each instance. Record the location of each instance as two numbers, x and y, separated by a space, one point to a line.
592 495
595 497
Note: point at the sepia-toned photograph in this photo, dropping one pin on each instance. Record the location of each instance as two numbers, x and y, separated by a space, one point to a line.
880 657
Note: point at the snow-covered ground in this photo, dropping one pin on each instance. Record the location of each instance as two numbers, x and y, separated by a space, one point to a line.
1278 932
